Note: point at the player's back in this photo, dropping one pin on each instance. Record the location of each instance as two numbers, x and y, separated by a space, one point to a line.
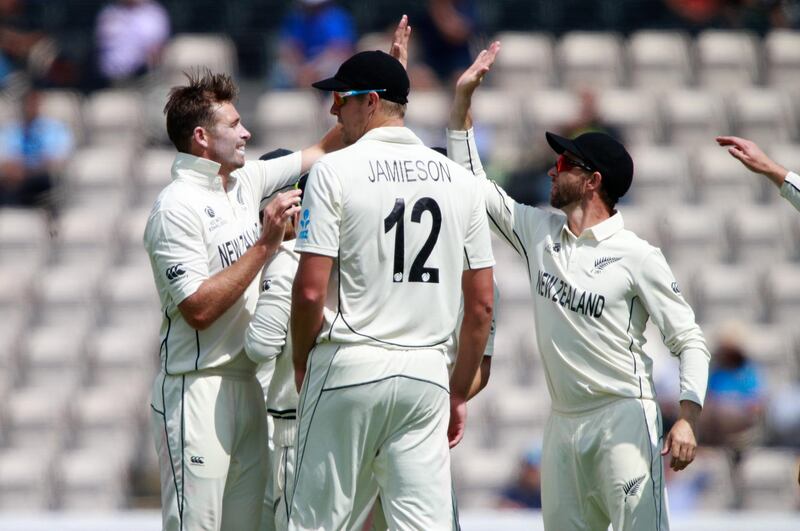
409 221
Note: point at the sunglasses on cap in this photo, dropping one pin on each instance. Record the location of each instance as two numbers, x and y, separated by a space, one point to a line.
564 163
339 97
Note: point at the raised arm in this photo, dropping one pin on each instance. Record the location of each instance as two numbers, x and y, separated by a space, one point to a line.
460 117
749 154
399 47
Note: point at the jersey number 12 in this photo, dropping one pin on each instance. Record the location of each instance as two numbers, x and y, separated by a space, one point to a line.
418 273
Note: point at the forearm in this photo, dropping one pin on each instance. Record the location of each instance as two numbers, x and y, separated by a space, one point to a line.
690 412
481 377
306 322
221 291
478 302
775 173
460 115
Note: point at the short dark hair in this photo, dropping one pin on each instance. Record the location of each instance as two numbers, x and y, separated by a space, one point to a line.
191 105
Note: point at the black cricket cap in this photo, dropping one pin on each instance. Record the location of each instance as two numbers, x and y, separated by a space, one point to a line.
370 71
603 153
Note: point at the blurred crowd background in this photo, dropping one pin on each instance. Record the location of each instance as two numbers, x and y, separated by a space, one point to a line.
83 153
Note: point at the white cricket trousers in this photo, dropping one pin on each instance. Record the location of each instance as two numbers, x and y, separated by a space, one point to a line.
604 467
372 416
210 430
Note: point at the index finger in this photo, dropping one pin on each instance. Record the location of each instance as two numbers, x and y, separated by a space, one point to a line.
728 140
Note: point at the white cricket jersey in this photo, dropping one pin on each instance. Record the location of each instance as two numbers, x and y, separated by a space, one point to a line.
197 229
592 297
402 221
790 189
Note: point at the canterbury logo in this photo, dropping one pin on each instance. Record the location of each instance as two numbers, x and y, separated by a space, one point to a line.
175 271
601 263
633 487
198 460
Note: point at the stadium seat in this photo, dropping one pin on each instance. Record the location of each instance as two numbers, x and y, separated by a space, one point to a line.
427 113
100 175
659 60
754 236
725 292
53 352
590 59
661 175
120 351
642 218
25 479
693 117
35 415
782 52
24 235
187 51
288 119
690 235
633 112
90 479
781 285
720 180
153 173
65 106
762 115
551 110
497 116
114 117
769 478
726 60
71 284
525 63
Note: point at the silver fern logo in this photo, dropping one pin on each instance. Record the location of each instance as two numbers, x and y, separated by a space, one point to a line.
601 263
632 487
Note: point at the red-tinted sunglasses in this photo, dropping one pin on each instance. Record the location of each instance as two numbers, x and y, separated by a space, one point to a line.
565 164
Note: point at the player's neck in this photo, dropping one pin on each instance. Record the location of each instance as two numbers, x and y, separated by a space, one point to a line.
382 120
585 214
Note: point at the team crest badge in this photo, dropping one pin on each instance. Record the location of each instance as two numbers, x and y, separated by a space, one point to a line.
210 212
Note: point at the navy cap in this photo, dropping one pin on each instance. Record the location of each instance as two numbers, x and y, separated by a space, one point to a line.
373 70
603 153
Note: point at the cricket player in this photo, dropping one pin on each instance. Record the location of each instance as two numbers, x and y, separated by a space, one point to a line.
755 160
390 233
206 248
595 285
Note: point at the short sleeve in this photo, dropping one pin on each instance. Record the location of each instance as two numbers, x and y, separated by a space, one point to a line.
269 176
321 212
266 334
177 253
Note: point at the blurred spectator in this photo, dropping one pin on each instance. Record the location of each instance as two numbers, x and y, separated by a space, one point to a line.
589 119
129 37
525 492
735 399
31 152
24 48
444 32
315 38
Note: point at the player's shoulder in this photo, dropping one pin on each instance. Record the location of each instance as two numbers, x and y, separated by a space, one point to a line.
285 260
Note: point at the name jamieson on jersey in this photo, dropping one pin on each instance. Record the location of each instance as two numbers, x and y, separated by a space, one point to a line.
232 250
558 291
407 171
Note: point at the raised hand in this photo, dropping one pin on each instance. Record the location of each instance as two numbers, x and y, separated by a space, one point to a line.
473 75
399 47
749 154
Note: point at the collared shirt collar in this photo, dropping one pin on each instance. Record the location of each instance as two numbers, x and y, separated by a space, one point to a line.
603 230
399 135
200 171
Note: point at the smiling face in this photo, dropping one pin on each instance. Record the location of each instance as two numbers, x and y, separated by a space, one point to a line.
226 139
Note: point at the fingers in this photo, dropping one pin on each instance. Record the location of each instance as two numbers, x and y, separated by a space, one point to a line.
455 437
667 444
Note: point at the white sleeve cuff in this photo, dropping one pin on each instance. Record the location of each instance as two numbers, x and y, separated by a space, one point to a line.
694 375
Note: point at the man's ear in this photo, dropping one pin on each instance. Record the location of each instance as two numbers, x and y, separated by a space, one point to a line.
595 181
200 136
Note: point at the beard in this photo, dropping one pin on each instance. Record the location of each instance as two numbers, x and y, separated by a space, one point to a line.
565 193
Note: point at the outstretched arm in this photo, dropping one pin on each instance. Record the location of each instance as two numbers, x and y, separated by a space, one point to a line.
460 118
749 154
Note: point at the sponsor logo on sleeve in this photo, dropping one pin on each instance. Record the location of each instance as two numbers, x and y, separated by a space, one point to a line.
266 284
197 460
305 222
173 273
675 288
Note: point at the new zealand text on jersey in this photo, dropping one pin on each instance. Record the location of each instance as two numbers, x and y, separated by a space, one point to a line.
232 250
558 291
407 171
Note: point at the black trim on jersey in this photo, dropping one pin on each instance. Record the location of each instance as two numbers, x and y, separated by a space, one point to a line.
310 422
469 153
156 410
197 342
183 448
279 190
466 257
630 347
340 387
454 505
169 450
792 185
285 478
656 498
508 239
164 346
339 313
284 414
